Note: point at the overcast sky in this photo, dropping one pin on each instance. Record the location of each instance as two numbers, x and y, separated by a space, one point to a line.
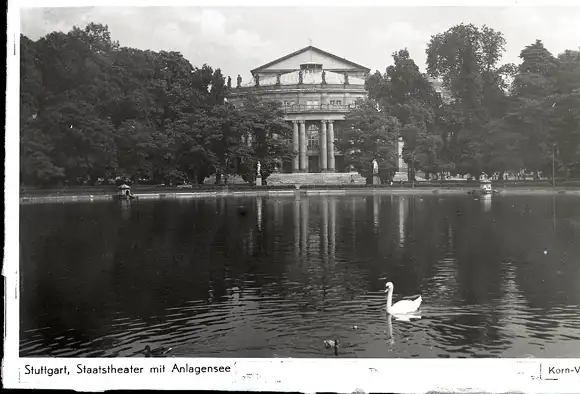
238 39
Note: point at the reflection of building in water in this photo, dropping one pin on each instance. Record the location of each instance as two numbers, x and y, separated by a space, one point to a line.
328 229
326 238
332 231
450 243
353 220
486 201
259 204
324 230
277 213
125 209
296 209
376 203
304 227
403 211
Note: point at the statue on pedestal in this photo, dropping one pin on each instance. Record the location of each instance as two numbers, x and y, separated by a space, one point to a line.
346 78
278 79
400 145
239 81
375 166
323 77
300 77
257 80
229 82
259 169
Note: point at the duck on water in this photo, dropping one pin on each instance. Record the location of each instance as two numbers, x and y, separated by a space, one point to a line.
332 343
158 352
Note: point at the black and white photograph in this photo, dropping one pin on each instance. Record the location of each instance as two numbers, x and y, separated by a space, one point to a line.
304 182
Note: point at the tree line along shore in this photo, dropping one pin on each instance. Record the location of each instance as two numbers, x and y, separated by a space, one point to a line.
92 109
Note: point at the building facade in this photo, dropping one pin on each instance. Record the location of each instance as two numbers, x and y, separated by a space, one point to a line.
316 90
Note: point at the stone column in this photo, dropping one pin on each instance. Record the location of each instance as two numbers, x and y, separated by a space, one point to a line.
323 145
330 144
296 147
303 147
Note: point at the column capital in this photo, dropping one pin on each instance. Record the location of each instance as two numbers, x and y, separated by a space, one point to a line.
294 122
323 121
301 121
330 121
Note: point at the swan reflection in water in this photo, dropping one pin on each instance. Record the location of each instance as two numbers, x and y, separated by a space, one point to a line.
403 310
402 318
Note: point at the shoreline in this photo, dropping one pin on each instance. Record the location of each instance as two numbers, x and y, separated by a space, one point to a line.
352 191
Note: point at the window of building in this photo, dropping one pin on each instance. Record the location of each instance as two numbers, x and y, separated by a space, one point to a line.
311 66
332 102
338 102
312 133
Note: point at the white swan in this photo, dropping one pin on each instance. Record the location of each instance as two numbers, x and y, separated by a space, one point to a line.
402 307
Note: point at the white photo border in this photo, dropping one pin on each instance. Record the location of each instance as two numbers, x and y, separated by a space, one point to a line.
304 375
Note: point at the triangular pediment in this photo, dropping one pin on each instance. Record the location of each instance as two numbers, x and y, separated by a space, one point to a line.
308 54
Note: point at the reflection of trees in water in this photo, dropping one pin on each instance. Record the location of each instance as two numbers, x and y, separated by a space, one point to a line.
526 226
156 271
64 263
164 254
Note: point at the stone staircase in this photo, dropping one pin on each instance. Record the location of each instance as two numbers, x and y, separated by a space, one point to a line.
328 178
232 180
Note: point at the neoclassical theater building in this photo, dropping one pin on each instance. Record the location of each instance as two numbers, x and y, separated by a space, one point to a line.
316 90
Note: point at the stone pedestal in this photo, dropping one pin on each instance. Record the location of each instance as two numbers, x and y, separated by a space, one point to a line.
258 180
400 176
376 180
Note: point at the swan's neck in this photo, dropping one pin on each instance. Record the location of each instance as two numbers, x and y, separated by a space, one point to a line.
389 299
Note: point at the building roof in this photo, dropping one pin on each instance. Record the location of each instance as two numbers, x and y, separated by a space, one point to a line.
310 47
309 77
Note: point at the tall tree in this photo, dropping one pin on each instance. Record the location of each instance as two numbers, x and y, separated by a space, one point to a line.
408 95
370 134
270 136
466 59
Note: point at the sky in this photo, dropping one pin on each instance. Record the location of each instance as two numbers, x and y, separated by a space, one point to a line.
238 39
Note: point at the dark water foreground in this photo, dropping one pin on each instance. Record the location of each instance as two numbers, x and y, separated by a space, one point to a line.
276 276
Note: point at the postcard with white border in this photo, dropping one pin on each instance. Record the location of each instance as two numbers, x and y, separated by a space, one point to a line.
303 196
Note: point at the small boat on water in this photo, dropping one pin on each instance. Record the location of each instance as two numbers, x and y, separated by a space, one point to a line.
485 189
124 193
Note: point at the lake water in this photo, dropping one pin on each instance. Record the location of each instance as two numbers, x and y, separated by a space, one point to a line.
276 276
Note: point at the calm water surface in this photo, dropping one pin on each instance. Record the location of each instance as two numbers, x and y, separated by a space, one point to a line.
275 277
